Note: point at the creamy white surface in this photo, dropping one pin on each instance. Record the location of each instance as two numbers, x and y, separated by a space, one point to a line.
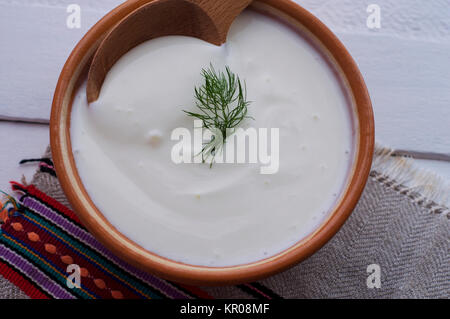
229 214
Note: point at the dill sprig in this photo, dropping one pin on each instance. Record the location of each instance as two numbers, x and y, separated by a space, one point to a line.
222 105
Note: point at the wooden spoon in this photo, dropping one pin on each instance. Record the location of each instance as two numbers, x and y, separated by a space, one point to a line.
208 20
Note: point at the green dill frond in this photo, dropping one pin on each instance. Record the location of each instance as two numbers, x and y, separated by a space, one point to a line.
221 102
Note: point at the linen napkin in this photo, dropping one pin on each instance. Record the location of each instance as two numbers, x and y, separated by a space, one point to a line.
394 245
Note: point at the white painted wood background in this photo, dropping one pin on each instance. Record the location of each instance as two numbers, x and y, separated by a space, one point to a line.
406 65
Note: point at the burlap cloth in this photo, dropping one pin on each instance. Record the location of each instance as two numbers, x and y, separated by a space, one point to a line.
401 224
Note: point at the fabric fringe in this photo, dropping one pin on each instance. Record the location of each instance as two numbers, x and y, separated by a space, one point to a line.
8 206
402 173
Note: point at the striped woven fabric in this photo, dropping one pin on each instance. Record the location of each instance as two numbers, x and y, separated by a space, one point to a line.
394 226
40 238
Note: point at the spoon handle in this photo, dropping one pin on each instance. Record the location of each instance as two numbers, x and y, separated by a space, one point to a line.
222 13
208 20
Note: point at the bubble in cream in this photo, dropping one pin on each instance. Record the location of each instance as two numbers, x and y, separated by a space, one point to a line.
154 137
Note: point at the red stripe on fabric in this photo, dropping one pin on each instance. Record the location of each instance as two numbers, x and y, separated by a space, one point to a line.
196 291
53 261
89 263
258 291
64 250
22 283
32 190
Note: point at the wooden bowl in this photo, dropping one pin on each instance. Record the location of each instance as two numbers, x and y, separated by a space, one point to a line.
74 73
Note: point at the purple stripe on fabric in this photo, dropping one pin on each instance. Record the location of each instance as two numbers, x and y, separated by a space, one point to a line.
34 273
89 240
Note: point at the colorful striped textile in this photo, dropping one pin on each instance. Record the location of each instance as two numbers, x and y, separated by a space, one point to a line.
40 238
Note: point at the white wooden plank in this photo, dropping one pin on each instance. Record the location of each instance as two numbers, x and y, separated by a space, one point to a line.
20 141
405 63
409 84
405 19
35 44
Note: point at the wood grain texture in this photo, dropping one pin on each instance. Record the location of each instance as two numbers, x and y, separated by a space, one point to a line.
39 43
208 20
405 63
409 84
19 141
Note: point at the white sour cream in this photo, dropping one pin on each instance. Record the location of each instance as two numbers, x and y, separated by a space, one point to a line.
229 214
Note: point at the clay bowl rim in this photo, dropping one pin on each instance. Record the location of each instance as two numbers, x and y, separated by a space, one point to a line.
74 70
